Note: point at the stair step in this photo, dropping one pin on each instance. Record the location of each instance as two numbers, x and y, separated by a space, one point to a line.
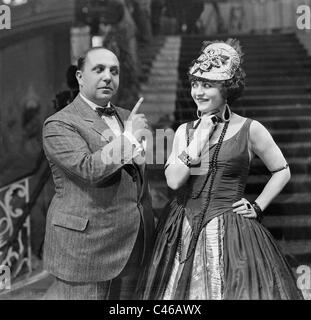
263 99
297 248
250 48
262 63
271 63
290 233
267 58
252 53
249 91
301 221
256 43
298 183
277 99
276 72
297 165
273 111
188 105
267 81
302 135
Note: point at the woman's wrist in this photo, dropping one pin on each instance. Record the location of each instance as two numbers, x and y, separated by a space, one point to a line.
185 158
188 159
258 210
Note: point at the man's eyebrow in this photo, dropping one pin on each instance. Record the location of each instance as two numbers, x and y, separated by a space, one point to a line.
98 66
104 66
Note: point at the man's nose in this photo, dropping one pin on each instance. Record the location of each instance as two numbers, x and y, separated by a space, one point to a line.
106 76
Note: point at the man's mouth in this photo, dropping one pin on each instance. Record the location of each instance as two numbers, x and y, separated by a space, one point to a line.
105 88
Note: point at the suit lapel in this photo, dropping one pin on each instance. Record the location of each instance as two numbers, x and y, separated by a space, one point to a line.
91 117
101 127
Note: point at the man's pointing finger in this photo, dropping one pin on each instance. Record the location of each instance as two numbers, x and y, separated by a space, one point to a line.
137 106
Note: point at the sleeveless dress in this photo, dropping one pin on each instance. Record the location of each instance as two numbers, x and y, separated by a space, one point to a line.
234 257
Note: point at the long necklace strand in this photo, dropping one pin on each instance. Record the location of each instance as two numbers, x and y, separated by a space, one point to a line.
212 171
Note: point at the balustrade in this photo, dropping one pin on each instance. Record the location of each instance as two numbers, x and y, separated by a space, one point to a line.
15 254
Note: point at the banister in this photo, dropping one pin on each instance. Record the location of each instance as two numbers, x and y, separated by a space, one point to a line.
40 160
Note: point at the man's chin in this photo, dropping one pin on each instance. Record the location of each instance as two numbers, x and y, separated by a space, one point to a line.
105 97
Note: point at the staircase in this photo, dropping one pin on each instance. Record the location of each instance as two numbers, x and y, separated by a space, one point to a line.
278 94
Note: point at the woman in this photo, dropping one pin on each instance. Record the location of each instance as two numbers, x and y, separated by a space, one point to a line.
212 244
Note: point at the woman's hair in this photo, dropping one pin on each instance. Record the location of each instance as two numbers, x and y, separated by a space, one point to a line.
233 88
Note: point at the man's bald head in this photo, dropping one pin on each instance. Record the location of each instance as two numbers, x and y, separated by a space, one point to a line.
82 59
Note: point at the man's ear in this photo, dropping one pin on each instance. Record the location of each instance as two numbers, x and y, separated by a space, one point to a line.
79 77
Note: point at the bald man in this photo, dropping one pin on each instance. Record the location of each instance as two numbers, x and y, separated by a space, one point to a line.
100 225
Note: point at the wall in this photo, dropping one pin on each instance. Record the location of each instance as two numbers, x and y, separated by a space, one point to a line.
34 56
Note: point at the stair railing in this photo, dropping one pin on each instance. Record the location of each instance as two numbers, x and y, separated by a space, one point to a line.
16 204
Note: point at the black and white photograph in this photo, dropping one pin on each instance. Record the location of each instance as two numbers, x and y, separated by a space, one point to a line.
155 150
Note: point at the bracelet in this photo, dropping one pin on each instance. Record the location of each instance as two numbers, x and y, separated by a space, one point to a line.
258 211
185 158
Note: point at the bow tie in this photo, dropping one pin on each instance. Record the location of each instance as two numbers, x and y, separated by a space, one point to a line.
105 111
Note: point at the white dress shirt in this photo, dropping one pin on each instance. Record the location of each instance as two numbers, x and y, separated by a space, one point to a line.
113 123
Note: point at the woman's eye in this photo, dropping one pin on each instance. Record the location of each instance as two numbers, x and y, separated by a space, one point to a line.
194 84
207 85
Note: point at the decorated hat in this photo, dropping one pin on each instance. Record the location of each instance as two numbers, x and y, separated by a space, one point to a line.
218 61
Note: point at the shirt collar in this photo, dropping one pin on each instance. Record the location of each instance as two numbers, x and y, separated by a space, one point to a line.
92 104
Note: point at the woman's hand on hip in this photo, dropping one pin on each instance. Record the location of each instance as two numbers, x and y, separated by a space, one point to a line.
244 208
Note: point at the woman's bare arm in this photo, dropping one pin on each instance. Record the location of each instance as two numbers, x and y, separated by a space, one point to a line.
268 151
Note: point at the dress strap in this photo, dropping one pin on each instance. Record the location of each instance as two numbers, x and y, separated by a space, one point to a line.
244 132
247 124
244 137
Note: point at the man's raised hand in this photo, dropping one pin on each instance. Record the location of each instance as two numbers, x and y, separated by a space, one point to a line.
136 107
136 122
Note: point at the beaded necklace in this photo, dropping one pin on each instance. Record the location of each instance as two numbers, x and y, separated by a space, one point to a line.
211 173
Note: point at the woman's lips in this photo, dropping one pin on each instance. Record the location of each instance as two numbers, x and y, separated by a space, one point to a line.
202 100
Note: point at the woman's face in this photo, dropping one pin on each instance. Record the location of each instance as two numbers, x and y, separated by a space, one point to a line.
207 96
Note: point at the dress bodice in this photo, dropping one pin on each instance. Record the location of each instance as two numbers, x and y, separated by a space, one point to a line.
233 164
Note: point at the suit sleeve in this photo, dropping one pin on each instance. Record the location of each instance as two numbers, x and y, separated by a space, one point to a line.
64 146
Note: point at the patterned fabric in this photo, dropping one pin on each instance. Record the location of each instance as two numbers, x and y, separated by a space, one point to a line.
218 61
207 273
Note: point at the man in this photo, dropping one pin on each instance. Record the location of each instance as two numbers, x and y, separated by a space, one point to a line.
100 223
